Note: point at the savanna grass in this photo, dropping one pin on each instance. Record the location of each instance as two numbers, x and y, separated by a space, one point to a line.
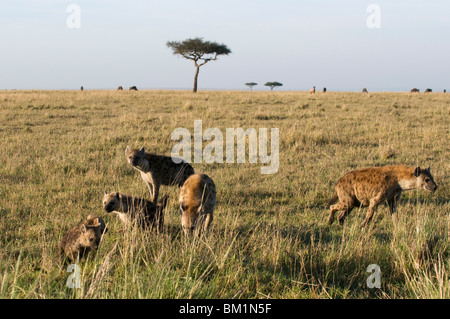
269 239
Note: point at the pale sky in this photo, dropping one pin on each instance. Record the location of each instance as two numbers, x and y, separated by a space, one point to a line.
300 43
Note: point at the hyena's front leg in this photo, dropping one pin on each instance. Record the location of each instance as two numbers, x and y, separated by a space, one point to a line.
374 202
152 184
207 222
392 206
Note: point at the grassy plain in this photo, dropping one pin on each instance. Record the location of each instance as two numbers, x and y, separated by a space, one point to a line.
269 238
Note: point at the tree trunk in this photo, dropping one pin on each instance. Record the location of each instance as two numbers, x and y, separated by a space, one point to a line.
195 79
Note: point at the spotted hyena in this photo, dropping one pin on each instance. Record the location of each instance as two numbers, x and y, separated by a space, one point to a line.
197 200
371 186
136 210
157 170
79 241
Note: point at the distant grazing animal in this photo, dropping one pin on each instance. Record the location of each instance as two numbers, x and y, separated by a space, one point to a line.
120 88
364 90
158 170
313 90
415 90
81 88
371 186
428 91
131 209
133 88
79 241
324 90
445 91
197 200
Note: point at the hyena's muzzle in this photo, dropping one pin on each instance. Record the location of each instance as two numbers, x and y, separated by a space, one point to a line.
135 161
110 204
109 207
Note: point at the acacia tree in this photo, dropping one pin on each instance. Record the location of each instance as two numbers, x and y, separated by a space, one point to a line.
199 51
273 84
251 85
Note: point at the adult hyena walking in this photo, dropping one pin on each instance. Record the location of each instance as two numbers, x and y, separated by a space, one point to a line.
371 186
157 170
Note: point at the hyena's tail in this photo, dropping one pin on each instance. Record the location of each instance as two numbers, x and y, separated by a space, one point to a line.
332 200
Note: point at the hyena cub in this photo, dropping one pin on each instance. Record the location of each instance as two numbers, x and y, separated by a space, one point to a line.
371 186
197 200
157 170
82 239
136 210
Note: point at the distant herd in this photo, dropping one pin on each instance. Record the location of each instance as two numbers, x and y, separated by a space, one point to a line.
364 90
312 91
132 88
119 88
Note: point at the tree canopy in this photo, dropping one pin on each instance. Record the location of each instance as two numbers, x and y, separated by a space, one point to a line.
273 84
251 84
199 51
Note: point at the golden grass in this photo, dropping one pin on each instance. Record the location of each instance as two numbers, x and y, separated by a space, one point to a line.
269 238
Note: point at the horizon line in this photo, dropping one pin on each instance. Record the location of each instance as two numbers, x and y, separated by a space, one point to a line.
217 89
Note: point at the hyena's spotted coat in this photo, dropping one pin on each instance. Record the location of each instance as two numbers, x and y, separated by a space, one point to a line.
132 209
157 170
371 186
197 200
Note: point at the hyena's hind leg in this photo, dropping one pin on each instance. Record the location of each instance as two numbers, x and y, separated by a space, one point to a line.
342 216
159 214
345 206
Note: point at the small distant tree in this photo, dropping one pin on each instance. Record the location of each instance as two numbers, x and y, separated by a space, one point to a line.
251 85
273 84
199 51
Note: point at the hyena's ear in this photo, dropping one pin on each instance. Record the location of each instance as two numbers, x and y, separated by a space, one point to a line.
90 216
106 193
428 169
142 150
102 225
83 228
117 195
127 150
97 222
417 171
